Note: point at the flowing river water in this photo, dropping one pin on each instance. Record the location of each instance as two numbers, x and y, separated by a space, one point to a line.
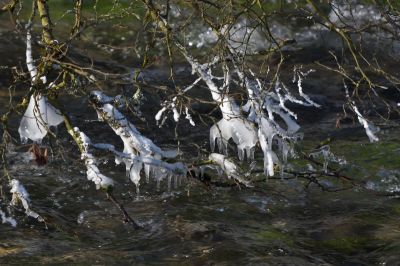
280 223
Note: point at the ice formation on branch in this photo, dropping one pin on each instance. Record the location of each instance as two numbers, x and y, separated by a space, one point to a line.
228 167
369 128
5 219
40 114
262 107
171 105
139 152
19 194
93 173
233 125
38 118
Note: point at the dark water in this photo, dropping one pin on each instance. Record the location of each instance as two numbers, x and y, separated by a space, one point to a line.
284 225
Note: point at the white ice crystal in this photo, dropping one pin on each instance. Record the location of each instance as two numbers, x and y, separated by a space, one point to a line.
262 108
228 167
29 58
5 219
19 194
38 118
140 153
93 173
241 131
40 114
369 128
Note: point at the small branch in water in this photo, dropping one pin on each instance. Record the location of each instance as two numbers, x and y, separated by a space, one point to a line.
127 218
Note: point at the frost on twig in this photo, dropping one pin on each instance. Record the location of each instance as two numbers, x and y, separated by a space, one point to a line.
5 219
93 173
172 105
20 195
40 114
140 153
369 128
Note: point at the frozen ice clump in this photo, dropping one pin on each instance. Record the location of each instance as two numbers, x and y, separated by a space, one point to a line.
93 173
228 167
19 194
241 131
38 118
140 153
5 219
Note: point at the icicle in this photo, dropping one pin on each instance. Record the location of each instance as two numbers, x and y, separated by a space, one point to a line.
169 183
147 169
134 175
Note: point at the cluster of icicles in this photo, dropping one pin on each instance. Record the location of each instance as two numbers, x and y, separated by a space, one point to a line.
255 122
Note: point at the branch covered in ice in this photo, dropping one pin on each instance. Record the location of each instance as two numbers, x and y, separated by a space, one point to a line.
20 195
139 152
40 114
370 129
93 173
229 168
134 142
29 58
5 219
262 106
172 105
38 118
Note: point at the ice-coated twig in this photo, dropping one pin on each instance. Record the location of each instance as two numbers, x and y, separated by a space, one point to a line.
229 168
139 152
93 173
20 195
233 125
171 105
369 128
173 167
262 107
134 142
29 58
5 219
299 75
40 115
